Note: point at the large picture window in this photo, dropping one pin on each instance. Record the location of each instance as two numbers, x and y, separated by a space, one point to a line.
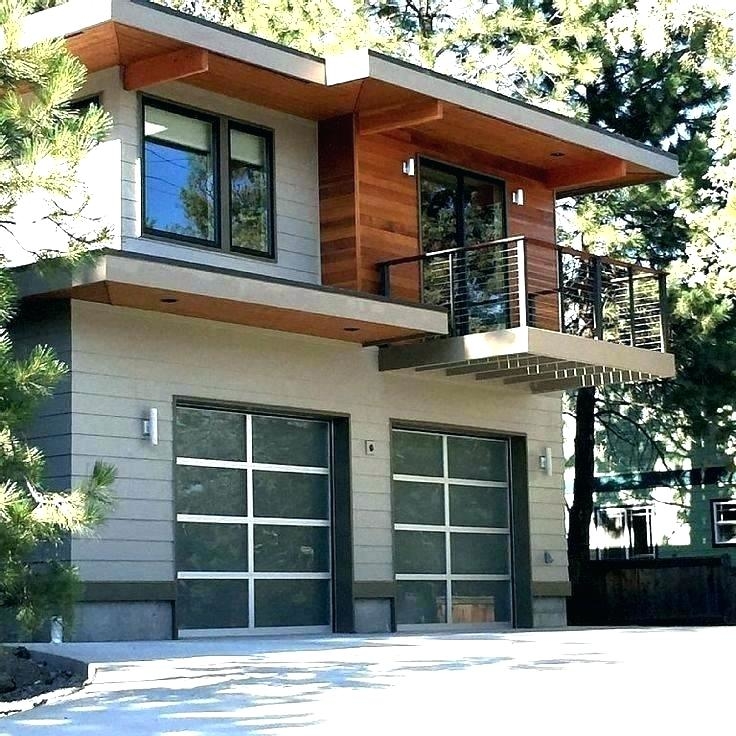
189 195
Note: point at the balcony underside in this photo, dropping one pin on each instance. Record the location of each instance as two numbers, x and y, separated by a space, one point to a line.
527 357
127 280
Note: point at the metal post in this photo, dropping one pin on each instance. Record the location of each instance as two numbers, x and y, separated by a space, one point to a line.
451 295
664 322
597 297
632 326
385 279
523 291
560 287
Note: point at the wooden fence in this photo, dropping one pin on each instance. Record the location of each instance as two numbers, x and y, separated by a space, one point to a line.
679 591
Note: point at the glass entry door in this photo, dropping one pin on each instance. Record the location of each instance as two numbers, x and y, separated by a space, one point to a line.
460 209
253 549
452 535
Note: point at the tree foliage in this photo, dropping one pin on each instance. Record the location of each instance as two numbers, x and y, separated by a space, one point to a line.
42 142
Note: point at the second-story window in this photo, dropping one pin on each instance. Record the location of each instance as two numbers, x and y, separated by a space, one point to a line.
207 181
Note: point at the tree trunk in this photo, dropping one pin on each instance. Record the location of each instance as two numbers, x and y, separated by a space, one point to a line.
578 540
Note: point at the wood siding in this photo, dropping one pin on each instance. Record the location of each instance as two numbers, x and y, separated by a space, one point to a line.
338 212
387 213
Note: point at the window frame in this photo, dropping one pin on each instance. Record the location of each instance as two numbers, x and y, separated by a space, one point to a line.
460 172
267 135
221 127
714 504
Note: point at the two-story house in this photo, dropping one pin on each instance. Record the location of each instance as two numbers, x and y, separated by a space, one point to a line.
326 345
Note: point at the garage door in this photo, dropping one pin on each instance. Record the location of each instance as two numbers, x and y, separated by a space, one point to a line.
452 536
253 548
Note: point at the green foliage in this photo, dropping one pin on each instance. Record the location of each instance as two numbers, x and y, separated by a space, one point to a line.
42 142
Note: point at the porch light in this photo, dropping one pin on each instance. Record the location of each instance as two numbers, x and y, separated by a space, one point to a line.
409 167
150 426
517 197
545 461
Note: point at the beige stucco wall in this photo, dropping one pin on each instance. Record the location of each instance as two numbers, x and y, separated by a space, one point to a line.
125 361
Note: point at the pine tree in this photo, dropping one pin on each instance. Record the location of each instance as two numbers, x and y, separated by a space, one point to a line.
42 142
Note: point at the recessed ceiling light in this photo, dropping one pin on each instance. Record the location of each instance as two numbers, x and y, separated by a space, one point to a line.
557 154
169 300
351 329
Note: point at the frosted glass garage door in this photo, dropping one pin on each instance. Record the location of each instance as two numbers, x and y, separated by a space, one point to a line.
452 529
253 548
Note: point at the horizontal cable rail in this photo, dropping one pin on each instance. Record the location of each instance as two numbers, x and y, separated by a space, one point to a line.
515 282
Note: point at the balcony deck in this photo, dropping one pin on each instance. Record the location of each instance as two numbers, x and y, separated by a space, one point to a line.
597 321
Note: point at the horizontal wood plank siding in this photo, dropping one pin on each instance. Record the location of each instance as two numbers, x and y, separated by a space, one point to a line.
337 203
388 214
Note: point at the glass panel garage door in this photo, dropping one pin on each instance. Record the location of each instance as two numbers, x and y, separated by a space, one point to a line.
452 537
253 548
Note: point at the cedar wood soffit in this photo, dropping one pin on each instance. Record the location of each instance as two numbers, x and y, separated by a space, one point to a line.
153 44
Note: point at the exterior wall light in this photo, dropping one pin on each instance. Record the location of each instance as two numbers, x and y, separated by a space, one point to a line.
409 167
517 197
545 461
150 426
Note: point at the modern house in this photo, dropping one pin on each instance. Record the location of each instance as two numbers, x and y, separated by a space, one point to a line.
326 344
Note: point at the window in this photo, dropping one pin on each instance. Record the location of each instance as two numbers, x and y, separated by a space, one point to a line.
624 531
83 104
724 522
190 196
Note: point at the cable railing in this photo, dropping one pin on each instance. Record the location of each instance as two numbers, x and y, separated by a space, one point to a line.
517 282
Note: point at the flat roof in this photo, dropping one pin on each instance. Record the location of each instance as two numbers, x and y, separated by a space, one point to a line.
335 82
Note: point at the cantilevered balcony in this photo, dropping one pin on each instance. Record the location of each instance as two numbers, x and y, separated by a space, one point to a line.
526 312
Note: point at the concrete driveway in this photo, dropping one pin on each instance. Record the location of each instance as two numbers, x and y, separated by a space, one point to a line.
635 681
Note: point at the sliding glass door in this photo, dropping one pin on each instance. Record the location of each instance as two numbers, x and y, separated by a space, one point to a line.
460 209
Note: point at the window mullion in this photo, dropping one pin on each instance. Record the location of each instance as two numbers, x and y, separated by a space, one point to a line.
223 184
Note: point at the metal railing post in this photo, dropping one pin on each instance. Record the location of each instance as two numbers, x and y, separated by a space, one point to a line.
560 293
523 290
664 322
385 279
451 295
597 297
632 325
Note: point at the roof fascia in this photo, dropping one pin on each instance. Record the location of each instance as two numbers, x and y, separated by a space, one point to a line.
77 16
366 64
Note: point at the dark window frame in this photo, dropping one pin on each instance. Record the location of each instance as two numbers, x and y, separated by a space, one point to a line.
267 135
459 172
82 104
221 127
713 503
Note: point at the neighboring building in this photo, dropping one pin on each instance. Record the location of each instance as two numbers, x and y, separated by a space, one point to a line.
637 515
326 344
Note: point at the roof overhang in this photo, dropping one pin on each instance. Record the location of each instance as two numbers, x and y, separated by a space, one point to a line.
568 156
164 286
541 360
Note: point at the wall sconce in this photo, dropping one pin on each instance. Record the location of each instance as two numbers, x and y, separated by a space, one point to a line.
409 167
150 426
545 461
517 197
548 559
